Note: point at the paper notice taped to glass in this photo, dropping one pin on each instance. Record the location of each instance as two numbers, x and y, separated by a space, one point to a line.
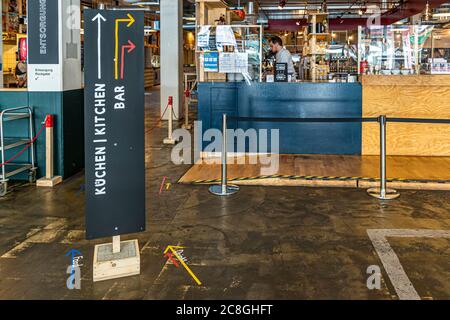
203 37
225 36
233 62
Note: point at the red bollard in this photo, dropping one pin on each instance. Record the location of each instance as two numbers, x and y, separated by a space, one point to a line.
169 139
49 180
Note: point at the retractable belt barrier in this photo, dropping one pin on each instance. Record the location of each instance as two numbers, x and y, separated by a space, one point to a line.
337 120
312 120
381 192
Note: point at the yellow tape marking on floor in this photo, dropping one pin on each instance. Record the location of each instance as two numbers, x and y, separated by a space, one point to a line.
174 251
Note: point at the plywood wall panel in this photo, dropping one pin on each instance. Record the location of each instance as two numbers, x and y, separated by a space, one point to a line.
407 97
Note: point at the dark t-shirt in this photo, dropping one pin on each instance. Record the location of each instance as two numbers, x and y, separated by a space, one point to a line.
21 69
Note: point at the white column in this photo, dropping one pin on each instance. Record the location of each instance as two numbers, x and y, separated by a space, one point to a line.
171 49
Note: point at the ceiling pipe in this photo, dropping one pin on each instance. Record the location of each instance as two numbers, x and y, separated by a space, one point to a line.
409 8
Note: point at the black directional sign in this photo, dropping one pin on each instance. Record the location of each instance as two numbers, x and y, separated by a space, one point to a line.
43 32
114 122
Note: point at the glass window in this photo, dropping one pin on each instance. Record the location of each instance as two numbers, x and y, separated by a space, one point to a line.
395 49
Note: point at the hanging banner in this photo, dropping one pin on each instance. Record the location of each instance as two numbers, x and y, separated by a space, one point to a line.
114 122
54 55
44 67
43 26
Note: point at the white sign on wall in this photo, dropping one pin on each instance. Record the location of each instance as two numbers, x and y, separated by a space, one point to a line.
54 64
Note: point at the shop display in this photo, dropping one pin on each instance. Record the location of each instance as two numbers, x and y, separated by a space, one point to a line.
322 71
316 39
439 66
394 50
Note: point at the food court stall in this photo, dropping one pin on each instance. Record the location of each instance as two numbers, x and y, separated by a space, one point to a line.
392 70
234 79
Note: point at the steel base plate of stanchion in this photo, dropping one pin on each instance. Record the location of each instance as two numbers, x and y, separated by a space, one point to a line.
219 191
389 194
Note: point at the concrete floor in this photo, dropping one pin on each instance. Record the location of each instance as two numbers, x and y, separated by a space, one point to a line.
262 243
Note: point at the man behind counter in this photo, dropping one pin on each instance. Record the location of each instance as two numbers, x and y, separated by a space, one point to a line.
282 55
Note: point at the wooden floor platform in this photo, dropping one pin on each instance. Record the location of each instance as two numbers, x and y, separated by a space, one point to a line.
403 172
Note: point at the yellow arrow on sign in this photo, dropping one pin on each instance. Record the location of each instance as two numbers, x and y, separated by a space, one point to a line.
174 251
130 21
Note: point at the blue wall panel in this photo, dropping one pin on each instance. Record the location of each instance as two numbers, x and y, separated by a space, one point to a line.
67 107
303 100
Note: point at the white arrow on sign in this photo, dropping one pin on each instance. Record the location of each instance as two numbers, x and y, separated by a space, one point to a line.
99 19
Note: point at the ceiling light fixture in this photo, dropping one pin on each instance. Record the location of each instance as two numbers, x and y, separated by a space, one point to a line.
427 12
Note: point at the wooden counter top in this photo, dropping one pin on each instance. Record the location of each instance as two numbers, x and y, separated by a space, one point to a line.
13 89
409 80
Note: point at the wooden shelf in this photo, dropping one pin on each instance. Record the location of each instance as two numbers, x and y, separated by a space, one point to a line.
319 16
213 4
318 34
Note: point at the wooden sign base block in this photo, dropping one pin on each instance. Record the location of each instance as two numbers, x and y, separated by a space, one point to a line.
44 182
169 141
110 265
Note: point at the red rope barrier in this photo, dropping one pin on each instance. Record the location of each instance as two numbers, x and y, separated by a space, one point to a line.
161 118
27 146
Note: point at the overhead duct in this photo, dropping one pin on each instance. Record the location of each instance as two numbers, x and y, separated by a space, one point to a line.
408 9
250 8
251 12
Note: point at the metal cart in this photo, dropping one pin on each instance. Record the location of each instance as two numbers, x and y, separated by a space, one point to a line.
10 169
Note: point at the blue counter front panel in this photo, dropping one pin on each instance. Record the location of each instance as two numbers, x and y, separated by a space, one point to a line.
288 100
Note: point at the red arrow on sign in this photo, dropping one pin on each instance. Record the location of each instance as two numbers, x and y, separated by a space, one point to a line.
130 46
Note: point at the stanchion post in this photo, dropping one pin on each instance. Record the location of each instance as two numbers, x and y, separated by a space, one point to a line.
224 189
116 244
187 99
382 192
49 180
169 139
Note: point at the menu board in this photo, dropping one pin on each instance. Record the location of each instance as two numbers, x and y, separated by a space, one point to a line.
281 74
